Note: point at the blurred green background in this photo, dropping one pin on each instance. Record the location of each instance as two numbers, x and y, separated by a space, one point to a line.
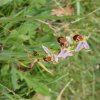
24 28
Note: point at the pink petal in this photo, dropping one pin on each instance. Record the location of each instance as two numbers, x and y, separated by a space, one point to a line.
86 46
79 46
67 54
64 53
46 50
70 54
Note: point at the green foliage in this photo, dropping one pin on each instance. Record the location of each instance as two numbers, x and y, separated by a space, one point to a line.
33 82
26 25
3 2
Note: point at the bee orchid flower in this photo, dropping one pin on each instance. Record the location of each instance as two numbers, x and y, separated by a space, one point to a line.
82 42
50 56
82 45
64 41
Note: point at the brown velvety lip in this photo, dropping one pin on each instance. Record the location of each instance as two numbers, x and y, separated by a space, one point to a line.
47 58
77 37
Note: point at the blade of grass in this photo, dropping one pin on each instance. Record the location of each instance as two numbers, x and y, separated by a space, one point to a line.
59 97
42 66
78 6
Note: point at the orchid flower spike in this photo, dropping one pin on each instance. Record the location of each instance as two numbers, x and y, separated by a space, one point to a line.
50 56
82 42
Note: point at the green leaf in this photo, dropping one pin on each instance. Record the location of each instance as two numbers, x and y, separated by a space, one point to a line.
8 55
96 39
4 70
41 65
37 2
78 6
32 82
3 2
14 77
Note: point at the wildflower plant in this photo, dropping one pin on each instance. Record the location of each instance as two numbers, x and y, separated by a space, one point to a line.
65 47
82 42
41 57
50 56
